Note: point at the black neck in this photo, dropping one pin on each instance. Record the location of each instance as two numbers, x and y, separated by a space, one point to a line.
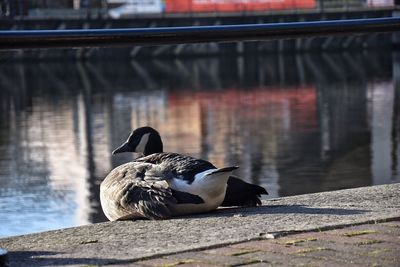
154 145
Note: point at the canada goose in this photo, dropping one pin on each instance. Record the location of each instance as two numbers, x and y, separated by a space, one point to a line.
162 185
146 141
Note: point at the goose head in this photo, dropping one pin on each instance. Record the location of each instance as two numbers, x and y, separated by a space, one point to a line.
143 140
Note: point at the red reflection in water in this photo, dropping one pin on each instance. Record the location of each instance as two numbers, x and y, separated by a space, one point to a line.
257 103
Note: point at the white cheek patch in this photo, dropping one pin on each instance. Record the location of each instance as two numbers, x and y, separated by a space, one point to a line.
142 144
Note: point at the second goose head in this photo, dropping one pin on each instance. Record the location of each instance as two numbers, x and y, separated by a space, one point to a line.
143 140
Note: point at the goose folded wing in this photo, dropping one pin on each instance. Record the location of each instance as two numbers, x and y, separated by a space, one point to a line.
152 200
137 190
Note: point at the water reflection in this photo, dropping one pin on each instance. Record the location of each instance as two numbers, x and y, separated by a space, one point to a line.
294 123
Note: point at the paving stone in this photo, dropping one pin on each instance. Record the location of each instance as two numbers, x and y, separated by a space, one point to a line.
287 260
359 240
390 229
127 264
298 239
355 253
266 245
331 255
395 224
344 248
364 230
162 262
208 258
309 261
229 251
266 257
261 264
349 258
198 265
388 253
335 248
383 238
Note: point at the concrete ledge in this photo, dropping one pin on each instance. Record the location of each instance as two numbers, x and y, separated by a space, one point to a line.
127 241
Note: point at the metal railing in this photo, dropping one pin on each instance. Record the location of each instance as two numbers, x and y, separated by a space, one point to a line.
193 34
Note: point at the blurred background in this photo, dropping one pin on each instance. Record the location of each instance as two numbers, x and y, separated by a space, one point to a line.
298 116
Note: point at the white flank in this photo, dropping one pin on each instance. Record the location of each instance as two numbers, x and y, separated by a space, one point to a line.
205 185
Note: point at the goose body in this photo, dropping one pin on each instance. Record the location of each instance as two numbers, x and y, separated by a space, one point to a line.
147 141
163 185
158 185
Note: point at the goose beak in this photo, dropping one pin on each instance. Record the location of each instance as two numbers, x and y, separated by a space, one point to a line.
123 148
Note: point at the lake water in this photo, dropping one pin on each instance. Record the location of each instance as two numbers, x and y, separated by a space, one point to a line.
296 124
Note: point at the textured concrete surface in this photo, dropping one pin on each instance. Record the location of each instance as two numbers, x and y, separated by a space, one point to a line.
125 242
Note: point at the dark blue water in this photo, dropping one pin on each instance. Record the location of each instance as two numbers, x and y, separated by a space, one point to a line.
296 124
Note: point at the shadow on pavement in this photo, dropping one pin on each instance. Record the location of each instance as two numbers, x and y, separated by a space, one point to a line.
53 258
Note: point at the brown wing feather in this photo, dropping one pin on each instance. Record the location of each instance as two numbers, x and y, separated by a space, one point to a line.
133 189
152 200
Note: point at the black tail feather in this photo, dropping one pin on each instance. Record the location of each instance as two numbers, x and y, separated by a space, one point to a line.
241 193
